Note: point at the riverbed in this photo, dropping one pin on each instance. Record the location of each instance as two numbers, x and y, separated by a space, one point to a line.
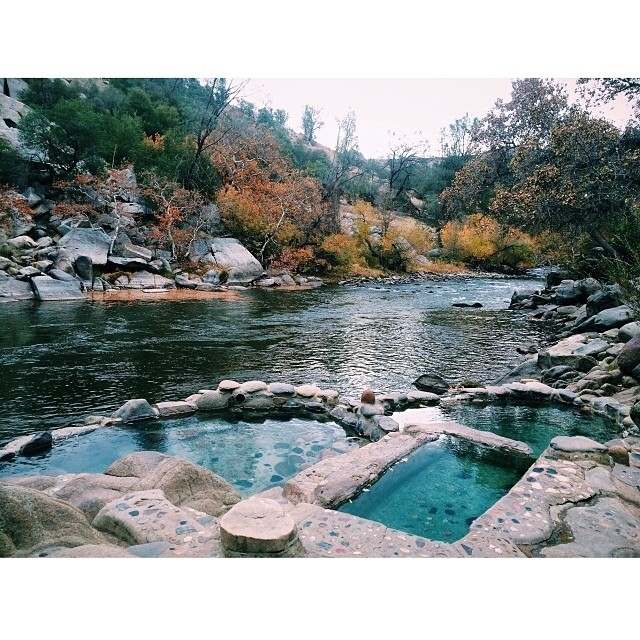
64 360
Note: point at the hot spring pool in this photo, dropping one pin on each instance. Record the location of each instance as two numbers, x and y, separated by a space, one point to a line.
536 425
252 456
437 492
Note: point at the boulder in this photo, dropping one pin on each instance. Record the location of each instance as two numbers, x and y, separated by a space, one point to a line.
84 267
432 383
31 522
555 277
213 400
22 242
89 492
629 331
232 259
226 386
607 319
183 483
179 408
12 290
629 357
37 443
137 464
128 264
183 280
11 112
567 292
308 391
134 410
606 298
47 288
28 445
588 286
58 274
93 243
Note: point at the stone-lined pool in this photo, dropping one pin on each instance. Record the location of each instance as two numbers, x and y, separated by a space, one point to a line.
437 492
252 456
443 486
536 425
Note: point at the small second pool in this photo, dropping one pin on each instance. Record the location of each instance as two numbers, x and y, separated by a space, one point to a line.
536 425
252 456
440 489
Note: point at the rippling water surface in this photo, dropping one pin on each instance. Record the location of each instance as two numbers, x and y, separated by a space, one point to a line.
63 360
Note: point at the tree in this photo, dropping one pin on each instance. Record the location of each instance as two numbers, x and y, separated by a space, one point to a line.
206 121
603 90
400 166
310 123
175 205
586 180
344 166
527 119
456 139
536 105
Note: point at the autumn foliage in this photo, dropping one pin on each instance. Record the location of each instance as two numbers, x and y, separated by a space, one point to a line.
482 241
274 209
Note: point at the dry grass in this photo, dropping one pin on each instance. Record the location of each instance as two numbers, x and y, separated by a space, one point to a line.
439 268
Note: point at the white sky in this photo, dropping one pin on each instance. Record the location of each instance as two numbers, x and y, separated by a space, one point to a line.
413 109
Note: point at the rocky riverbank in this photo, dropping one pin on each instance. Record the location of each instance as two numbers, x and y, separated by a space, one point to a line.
51 250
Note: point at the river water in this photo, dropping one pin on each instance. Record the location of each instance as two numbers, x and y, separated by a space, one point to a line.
59 361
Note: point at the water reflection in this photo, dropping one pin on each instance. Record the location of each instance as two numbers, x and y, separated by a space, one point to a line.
63 360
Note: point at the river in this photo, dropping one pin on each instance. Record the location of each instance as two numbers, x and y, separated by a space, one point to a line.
64 360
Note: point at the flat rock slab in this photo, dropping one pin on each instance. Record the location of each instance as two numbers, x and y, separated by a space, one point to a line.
91 551
483 438
331 534
605 529
47 288
577 444
257 526
334 480
523 516
147 516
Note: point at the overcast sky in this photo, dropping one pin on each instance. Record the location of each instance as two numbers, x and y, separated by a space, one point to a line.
413 109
